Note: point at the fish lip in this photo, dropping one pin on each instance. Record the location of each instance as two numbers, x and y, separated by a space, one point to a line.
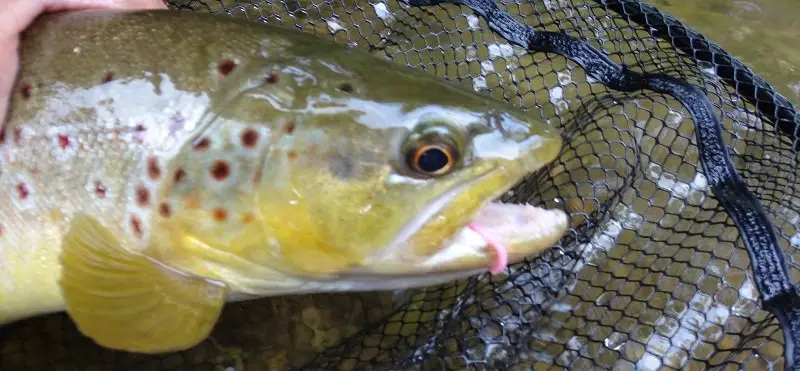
426 270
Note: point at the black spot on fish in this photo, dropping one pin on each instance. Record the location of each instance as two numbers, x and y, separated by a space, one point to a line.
272 78
164 210
25 90
179 175
107 77
346 87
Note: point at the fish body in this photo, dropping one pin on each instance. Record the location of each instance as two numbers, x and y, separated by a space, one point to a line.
157 164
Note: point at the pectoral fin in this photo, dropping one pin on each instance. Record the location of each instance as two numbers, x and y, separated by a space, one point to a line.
126 301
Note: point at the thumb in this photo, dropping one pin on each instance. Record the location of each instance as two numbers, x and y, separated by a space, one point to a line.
17 15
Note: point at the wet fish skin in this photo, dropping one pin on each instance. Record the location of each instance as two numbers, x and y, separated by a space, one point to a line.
145 165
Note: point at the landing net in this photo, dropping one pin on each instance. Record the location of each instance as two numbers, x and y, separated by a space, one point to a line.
680 174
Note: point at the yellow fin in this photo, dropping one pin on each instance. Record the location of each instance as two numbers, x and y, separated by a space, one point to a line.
126 301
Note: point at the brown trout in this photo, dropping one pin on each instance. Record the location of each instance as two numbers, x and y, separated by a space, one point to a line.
157 164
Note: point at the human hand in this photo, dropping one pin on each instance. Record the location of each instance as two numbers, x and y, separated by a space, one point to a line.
17 15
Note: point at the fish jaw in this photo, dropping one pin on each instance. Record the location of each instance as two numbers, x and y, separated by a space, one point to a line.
497 234
524 230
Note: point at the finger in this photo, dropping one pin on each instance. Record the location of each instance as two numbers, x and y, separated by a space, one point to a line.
17 15
8 73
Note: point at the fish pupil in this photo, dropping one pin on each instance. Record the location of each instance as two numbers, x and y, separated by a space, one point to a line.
432 160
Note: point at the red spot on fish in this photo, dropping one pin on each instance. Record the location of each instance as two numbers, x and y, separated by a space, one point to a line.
226 66
202 145
2 230
164 210
25 89
142 196
3 136
219 214
63 141
107 77
220 170
179 175
136 225
23 191
248 218
153 170
100 189
272 78
17 136
249 138
192 201
289 128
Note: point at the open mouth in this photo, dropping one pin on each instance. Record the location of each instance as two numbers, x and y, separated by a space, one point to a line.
496 235
501 233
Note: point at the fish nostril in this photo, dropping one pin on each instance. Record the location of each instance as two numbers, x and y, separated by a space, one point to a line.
346 87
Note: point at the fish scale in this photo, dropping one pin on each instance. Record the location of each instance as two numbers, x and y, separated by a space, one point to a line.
104 135
147 178
223 175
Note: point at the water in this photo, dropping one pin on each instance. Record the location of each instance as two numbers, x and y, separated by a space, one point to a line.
761 33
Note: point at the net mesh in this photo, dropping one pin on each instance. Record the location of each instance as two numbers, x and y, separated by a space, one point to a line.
653 274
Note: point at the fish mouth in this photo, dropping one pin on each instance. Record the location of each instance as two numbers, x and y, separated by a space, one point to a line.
496 235
500 233
524 230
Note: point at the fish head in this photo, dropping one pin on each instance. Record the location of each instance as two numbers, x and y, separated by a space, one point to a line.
385 170
372 176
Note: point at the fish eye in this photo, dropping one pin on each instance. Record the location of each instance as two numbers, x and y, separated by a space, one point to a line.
432 159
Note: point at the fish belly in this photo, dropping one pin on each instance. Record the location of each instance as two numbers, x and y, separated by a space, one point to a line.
41 190
29 270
